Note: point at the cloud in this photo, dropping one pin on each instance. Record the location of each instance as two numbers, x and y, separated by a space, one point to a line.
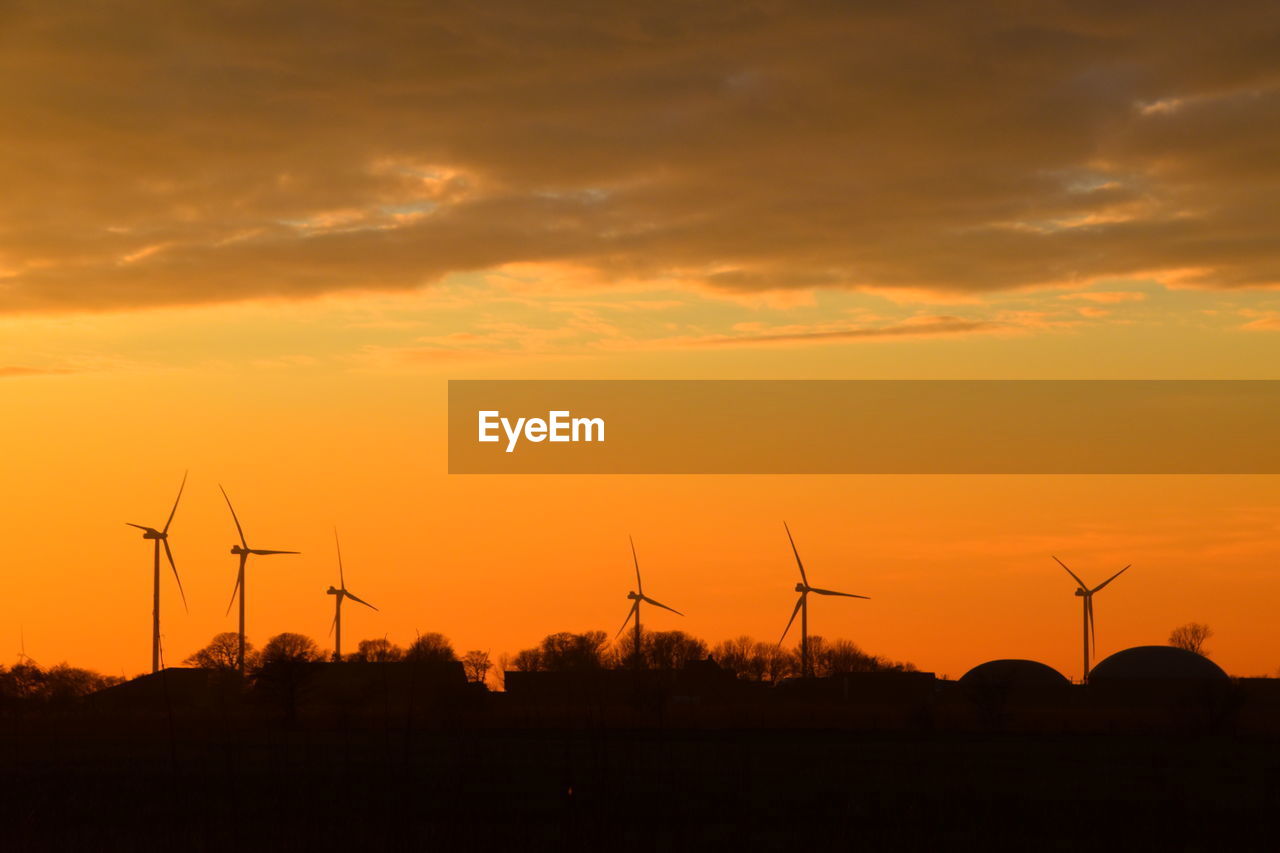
7 372
1262 320
1104 297
915 327
159 154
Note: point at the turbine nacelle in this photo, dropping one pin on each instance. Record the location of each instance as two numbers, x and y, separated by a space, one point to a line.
801 588
335 591
149 532
634 596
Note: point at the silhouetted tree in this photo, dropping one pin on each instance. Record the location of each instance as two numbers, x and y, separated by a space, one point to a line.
528 660
1192 637
284 668
841 657
26 681
658 649
564 652
221 653
476 664
290 648
380 650
431 648
735 656
773 662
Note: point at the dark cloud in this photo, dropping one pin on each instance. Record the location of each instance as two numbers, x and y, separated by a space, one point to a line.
160 153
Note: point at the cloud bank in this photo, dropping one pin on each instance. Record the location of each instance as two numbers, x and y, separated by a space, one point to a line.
161 154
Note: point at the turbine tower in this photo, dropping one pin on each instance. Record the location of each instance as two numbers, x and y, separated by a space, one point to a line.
636 596
802 607
243 551
1090 628
340 593
158 538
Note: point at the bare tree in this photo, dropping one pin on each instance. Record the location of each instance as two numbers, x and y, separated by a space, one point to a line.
380 650
566 651
735 655
285 667
431 648
290 648
221 653
26 681
1192 637
499 672
476 664
671 649
773 662
528 660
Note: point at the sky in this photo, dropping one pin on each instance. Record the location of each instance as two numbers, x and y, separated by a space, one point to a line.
256 243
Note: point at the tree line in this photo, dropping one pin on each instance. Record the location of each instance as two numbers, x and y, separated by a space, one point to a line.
564 651
26 682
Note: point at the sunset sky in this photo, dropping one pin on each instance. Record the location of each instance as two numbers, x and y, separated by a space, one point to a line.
256 243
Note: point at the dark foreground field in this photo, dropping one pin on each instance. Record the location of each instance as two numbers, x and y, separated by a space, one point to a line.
86 782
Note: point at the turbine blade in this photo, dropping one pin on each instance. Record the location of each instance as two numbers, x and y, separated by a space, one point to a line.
239 529
139 526
356 598
342 580
833 592
636 560
632 612
262 552
799 601
1110 579
660 604
175 501
1073 574
792 540
236 588
174 566
333 624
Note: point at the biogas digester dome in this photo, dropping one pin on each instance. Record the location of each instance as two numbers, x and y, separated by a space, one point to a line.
1157 663
1013 673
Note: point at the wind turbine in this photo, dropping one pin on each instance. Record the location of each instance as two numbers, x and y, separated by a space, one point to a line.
340 593
161 537
1090 628
636 596
802 607
243 551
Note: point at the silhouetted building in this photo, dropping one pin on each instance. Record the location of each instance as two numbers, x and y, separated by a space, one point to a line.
1009 694
1160 687
1013 674
1156 664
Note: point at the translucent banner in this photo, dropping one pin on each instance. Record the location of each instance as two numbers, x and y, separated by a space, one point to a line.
864 427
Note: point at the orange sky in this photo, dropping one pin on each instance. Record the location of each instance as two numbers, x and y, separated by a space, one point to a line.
258 251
